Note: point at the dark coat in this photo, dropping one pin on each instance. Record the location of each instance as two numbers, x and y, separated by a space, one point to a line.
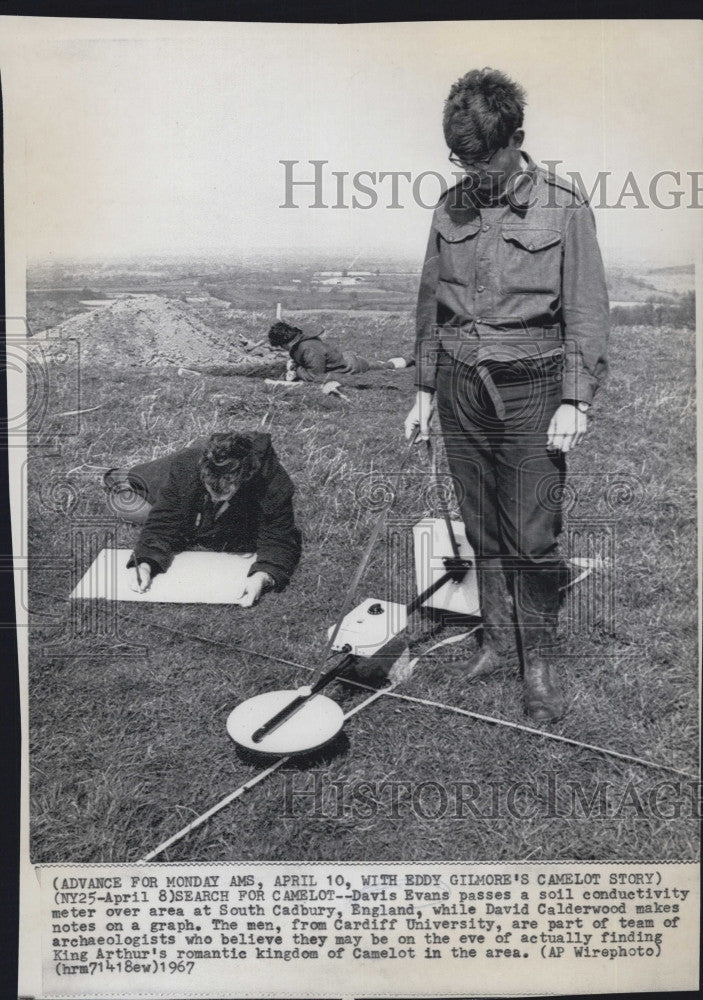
315 357
259 517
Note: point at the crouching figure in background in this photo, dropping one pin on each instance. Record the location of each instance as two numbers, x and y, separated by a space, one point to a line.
228 493
313 359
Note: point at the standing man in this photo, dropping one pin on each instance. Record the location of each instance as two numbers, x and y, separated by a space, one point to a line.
512 328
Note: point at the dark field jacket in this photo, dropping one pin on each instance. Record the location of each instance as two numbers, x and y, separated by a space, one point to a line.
314 358
259 517
520 279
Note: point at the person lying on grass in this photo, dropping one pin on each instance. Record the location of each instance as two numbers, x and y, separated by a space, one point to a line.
312 359
229 493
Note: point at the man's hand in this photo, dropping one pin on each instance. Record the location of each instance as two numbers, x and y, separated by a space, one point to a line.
420 415
144 576
567 428
256 585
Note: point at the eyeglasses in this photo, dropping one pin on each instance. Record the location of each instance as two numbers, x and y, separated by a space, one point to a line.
472 164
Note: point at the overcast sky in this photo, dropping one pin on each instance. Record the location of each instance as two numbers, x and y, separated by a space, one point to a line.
167 137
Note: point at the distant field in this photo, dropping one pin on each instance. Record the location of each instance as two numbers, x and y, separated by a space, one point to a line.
127 729
55 291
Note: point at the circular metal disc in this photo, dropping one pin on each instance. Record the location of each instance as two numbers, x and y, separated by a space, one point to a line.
314 724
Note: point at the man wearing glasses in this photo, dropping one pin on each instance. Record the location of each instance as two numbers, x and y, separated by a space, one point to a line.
512 327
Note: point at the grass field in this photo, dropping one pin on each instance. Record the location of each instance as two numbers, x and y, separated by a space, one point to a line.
127 716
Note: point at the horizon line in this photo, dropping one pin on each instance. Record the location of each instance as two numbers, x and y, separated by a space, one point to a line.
287 255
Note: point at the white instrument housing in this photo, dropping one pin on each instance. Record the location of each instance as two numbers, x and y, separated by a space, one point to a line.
369 627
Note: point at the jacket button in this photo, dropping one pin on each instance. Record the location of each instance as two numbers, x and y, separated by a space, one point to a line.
531 246
481 288
486 228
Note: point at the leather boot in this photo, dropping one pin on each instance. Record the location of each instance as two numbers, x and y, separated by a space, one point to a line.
544 700
498 647
537 608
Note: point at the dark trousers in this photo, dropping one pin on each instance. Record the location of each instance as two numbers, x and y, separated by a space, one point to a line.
494 421
355 364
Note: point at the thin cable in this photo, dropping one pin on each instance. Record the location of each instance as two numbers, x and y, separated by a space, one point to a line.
541 732
389 692
429 703
184 634
237 793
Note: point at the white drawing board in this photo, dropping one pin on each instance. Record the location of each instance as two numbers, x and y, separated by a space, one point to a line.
192 578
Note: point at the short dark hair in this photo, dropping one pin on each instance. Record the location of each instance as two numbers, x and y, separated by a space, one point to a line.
481 113
227 461
282 333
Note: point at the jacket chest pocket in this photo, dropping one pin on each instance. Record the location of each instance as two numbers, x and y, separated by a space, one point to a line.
530 261
456 244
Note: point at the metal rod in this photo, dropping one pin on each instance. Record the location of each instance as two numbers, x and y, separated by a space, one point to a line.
418 601
276 721
362 564
445 513
297 703
452 536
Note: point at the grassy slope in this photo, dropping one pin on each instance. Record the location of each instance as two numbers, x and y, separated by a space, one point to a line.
128 737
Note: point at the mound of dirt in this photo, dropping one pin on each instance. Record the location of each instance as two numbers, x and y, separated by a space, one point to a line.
152 330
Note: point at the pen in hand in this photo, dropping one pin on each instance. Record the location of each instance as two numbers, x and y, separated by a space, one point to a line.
141 581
